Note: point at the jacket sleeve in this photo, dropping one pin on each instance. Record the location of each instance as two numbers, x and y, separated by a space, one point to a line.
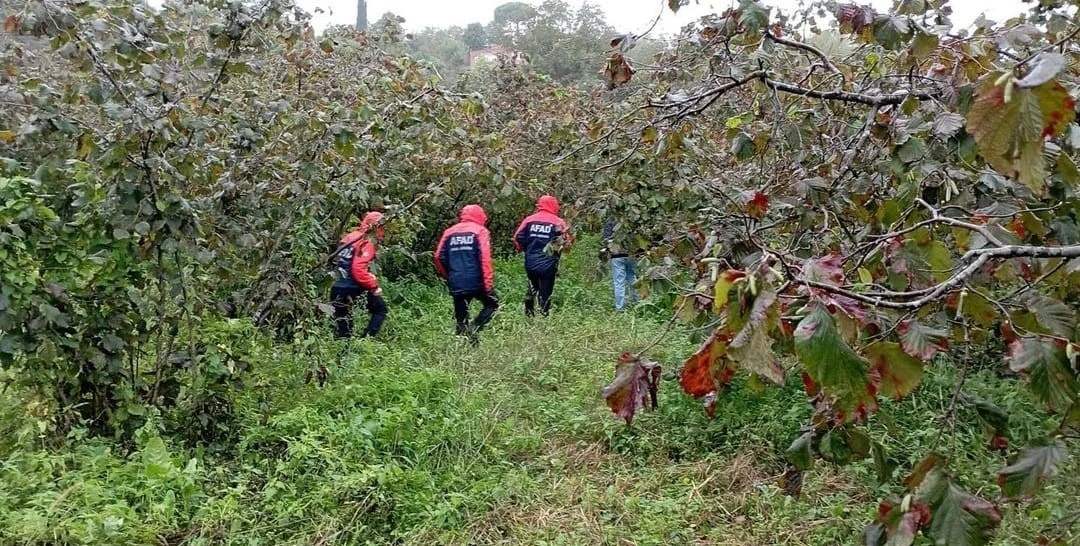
520 235
440 265
364 252
485 260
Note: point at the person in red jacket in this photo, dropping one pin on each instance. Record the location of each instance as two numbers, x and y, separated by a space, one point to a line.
463 258
542 236
355 278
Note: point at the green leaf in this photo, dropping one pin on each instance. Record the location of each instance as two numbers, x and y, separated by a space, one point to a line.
1044 360
843 445
882 464
831 363
1056 317
753 16
742 146
897 372
1066 167
1025 476
924 45
156 458
978 308
912 150
891 31
990 414
958 518
939 260
911 7
799 451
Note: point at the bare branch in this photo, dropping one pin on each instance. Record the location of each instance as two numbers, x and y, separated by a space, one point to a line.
960 223
810 49
845 96
924 297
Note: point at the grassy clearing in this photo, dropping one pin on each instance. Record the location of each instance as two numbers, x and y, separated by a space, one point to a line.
420 439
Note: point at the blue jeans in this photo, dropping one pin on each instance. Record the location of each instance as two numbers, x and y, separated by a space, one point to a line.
622 279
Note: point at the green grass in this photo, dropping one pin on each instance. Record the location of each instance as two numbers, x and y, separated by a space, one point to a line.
419 438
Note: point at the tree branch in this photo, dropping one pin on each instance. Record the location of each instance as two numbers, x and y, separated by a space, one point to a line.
845 96
924 297
810 49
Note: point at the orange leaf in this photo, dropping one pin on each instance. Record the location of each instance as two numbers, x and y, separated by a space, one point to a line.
618 71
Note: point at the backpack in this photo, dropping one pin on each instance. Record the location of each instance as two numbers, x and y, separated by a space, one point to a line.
343 258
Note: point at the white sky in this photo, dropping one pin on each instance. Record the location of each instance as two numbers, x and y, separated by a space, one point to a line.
624 15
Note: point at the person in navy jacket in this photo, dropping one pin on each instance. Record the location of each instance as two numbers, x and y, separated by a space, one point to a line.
355 278
463 258
542 236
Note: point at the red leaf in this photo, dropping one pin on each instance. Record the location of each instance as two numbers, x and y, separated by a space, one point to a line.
999 442
918 474
811 387
827 269
11 24
618 71
896 372
708 370
756 203
634 387
922 341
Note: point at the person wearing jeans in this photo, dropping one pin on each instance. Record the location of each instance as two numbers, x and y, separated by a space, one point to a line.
622 279
623 267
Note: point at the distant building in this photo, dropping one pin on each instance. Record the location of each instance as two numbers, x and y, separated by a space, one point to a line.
497 54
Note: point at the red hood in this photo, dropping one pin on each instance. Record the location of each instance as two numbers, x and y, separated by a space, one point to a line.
547 203
473 213
370 219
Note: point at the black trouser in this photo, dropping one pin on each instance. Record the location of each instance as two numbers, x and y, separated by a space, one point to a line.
343 298
540 284
461 310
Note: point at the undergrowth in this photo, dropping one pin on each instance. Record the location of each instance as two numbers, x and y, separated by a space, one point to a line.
419 438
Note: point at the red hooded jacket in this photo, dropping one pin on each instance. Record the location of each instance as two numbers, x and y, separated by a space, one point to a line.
361 252
536 231
463 255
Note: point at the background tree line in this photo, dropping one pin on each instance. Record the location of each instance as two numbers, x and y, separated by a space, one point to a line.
560 41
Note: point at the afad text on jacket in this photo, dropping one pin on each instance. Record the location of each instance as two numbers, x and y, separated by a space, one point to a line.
463 255
535 232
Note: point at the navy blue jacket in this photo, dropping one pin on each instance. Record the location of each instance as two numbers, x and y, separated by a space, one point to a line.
535 232
463 256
